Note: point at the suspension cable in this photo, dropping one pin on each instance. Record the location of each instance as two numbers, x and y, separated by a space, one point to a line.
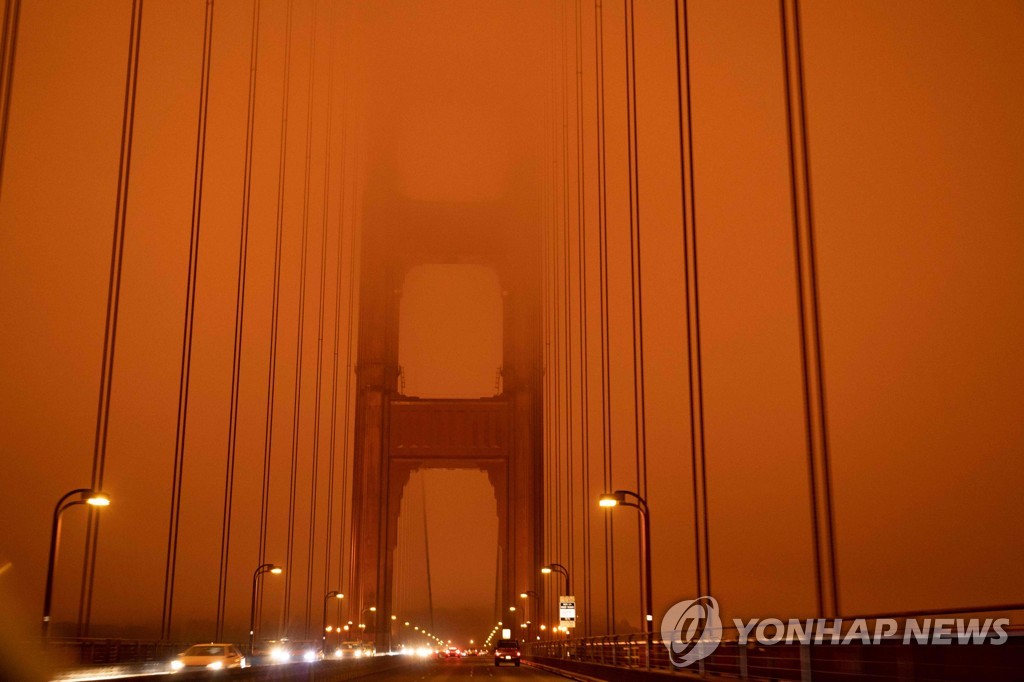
297 399
320 352
354 248
113 306
275 307
693 343
636 287
331 475
553 328
236 358
567 291
581 255
177 481
606 433
812 364
8 50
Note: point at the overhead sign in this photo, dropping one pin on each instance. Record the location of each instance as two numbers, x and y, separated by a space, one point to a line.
567 611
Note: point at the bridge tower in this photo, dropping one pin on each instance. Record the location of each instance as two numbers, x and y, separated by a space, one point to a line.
396 435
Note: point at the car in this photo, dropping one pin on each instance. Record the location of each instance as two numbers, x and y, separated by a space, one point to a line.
306 650
351 650
451 654
506 651
209 656
289 651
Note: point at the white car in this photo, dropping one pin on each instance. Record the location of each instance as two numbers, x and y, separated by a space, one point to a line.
212 656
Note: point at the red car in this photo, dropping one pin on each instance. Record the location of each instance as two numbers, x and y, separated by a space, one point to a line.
507 651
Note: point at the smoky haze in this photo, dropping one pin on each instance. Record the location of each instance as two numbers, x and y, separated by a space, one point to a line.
452 134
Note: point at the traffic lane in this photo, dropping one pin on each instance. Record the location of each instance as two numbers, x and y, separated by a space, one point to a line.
479 669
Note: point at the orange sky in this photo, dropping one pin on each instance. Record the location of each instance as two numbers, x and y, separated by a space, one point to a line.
917 159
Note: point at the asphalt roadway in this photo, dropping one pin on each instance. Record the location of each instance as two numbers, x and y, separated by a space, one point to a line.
480 669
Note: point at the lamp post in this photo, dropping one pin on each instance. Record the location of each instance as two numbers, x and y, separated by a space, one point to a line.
558 568
84 496
362 626
323 630
625 498
529 612
260 570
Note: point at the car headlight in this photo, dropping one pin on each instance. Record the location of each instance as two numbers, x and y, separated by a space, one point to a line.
177 665
216 665
279 655
309 656
357 653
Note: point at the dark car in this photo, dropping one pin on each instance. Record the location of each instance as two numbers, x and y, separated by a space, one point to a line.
507 651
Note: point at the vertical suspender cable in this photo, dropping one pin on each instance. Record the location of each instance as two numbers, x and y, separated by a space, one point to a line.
567 291
8 50
693 345
236 358
113 305
554 329
581 266
188 329
426 551
354 249
275 307
319 356
297 402
816 416
606 434
332 459
546 257
636 286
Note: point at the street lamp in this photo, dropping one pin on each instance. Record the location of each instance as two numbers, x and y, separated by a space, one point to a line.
84 496
391 632
558 568
332 594
625 498
526 595
260 570
362 625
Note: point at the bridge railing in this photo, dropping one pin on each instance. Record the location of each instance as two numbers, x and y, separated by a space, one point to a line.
890 660
87 651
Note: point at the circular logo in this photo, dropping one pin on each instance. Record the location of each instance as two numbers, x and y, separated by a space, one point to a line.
691 630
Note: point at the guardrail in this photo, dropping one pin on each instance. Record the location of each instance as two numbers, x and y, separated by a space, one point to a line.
891 661
85 651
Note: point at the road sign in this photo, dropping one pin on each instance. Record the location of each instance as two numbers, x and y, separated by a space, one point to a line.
567 611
